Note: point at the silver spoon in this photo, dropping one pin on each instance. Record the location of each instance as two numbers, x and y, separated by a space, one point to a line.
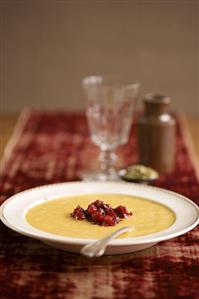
97 248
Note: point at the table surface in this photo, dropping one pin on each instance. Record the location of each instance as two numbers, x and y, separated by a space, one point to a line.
168 268
8 122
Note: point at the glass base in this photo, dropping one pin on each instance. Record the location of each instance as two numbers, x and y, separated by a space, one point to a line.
100 176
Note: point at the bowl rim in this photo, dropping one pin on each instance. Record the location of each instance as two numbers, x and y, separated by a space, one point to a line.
150 238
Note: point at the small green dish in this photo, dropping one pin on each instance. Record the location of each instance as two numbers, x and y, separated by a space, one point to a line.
138 174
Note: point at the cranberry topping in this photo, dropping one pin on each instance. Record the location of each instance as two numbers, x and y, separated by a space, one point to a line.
91 209
78 213
122 212
100 213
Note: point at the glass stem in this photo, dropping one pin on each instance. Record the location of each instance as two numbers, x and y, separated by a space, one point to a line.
107 161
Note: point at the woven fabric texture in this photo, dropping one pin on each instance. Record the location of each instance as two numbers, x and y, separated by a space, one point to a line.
51 147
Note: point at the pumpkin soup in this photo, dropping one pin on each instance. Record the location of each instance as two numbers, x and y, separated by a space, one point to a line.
54 216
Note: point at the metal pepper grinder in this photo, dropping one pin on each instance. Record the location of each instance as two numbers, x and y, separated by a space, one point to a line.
156 134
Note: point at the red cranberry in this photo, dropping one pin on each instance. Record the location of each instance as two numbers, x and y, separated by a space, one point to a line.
78 213
108 221
98 203
122 212
97 218
107 206
111 212
91 209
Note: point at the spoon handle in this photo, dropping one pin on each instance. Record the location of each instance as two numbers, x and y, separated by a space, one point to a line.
97 248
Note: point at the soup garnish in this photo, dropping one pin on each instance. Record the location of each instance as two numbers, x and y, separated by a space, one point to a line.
101 213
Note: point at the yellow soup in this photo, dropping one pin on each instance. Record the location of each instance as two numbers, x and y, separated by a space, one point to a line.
53 216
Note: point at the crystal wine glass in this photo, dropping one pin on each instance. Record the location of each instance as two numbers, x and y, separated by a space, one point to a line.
109 109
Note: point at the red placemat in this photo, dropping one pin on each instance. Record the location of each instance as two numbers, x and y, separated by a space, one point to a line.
50 147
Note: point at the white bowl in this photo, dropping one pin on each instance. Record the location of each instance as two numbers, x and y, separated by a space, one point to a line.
13 210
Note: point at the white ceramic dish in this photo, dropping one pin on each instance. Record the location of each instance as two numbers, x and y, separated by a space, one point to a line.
12 214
